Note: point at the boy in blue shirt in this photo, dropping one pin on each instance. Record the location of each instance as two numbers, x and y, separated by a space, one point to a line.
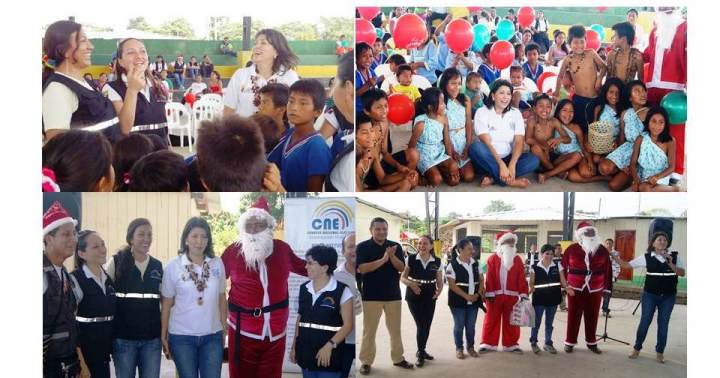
302 154
532 68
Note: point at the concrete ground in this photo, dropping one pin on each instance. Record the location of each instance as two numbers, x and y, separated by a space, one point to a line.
613 362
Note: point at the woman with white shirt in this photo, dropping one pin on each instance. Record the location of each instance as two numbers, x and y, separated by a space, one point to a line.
345 273
325 317
68 101
466 288
194 305
272 62
498 152
660 291
138 97
96 303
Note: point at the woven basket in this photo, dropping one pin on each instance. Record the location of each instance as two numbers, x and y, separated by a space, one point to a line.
600 136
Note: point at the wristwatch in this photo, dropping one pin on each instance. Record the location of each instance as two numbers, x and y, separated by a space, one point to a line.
334 345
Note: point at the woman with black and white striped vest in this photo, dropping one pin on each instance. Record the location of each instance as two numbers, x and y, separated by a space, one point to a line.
661 278
68 100
325 317
546 284
136 326
96 304
138 97
424 280
466 289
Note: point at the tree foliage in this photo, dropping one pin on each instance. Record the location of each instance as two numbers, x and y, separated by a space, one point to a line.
139 23
179 27
498 206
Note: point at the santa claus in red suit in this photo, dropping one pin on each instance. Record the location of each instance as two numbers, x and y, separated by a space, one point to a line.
586 264
505 285
666 55
258 267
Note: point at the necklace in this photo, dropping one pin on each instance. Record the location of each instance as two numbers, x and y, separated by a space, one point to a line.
200 281
579 64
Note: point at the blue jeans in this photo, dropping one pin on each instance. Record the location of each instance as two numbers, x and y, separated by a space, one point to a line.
141 354
180 84
320 374
464 318
484 161
664 305
193 354
549 317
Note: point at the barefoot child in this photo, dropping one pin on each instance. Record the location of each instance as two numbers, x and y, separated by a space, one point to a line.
430 137
624 61
586 69
458 114
653 155
404 86
524 89
540 136
607 109
631 126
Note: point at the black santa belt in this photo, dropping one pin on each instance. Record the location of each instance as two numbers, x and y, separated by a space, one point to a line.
585 272
256 312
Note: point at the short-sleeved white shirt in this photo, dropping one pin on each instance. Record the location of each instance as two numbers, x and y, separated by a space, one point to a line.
59 103
450 273
239 94
187 317
502 128
113 95
342 275
640 262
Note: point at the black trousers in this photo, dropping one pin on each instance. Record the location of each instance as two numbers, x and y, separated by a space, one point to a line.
97 363
63 367
422 311
348 356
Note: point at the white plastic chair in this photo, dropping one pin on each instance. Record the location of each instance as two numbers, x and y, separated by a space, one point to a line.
179 122
204 110
212 97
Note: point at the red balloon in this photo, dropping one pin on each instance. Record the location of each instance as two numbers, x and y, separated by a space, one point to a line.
593 39
602 9
502 54
400 108
459 35
364 31
368 13
474 9
410 31
526 16
190 98
544 76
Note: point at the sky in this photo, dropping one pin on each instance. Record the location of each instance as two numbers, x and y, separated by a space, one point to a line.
609 204
156 13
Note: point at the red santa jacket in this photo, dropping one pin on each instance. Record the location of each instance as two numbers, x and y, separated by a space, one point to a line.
672 64
516 285
248 291
597 277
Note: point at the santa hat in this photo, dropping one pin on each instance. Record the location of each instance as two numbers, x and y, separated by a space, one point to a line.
582 227
260 209
55 217
503 236
49 182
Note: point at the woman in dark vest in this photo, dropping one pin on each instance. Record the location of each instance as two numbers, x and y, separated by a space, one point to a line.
424 279
325 317
96 304
660 291
546 284
136 327
465 295
70 102
137 96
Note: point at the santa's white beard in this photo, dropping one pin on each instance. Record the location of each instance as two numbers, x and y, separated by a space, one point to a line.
507 256
667 25
256 247
589 244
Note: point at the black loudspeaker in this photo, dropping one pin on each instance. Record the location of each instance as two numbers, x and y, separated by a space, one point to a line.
71 201
664 225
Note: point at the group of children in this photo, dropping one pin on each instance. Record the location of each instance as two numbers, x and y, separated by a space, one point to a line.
277 149
588 88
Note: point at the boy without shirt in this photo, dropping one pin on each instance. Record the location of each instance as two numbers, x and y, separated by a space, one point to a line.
624 61
540 132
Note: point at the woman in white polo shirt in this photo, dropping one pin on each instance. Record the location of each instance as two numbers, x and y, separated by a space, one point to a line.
194 305
498 152
272 62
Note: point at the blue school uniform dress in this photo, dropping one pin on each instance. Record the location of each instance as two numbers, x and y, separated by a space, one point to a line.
488 74
430 144
359 82
652 160
609 115
567 148
533 75
429 56
308 157
633 128
456 128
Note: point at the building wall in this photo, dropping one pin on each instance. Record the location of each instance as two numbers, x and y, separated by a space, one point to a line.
110 214
364 214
